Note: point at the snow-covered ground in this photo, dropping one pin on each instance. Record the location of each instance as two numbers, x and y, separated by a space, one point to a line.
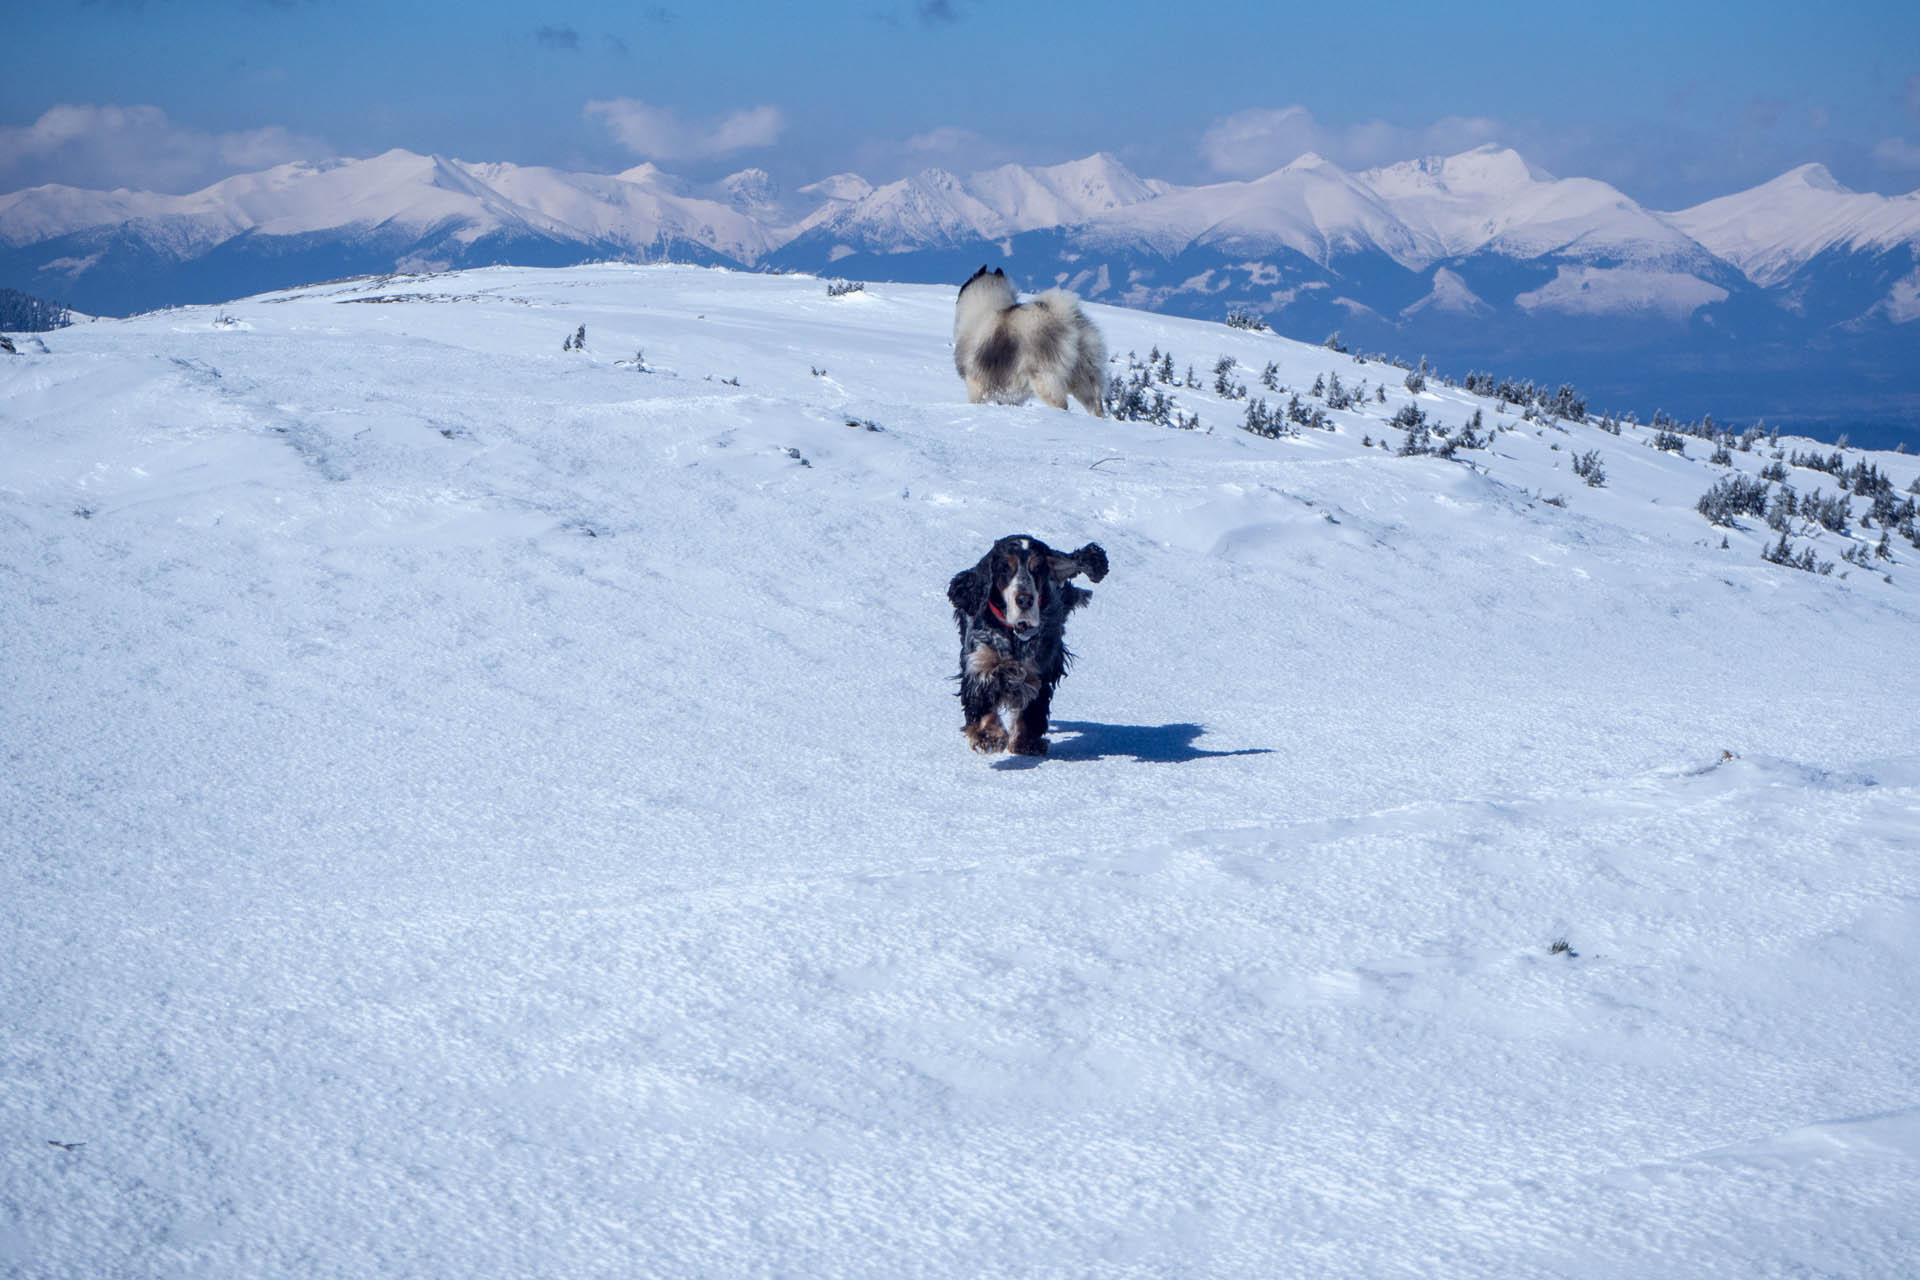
471 808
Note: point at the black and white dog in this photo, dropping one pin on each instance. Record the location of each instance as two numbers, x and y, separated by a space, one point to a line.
1012 610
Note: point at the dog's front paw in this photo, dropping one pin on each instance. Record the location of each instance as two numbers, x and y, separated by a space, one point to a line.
987 734
1029 747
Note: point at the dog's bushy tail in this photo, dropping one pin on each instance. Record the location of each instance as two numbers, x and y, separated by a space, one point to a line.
1086 366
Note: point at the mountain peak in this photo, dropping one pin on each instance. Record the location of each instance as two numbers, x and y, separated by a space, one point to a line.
648 174
1813 177
1305 161
1487 168
752 186
1774 229
1099 161
840 186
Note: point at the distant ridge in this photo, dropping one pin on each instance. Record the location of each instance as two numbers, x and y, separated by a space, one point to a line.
1793 301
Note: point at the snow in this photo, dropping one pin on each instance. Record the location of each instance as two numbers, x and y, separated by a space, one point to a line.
1902 303
1450 293
743 216
930 207
1776 228
399 188
1491 197
1417 212
1311 206
937 207
478 809
46 212
1420 212
1060 195
1606 290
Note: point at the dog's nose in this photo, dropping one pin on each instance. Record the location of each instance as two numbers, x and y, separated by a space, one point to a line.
1024 599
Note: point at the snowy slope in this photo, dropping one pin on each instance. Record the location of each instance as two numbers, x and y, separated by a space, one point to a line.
1778 227
477 809
1062 194
1311 206
930 207
399 189
1612 258
937 208
1490 198
1417 213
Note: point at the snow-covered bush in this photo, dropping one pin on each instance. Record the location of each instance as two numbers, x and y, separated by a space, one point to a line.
1733 496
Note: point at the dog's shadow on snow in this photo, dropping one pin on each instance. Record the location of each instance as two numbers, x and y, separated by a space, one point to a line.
1147 743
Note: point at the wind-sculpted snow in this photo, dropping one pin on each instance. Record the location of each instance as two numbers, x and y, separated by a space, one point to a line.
477 808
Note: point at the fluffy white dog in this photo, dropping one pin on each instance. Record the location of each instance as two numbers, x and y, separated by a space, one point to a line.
1008 350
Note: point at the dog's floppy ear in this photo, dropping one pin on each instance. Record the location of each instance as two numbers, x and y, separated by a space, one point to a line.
967 592
1090 560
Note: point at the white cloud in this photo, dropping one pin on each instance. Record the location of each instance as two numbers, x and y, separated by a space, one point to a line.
655 133
949 147
946 140
139 147
1250 143
1897 153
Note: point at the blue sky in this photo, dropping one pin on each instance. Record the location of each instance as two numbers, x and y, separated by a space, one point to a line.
1672 102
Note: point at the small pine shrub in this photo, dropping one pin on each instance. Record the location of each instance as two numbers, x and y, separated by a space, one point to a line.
1419 439
1262 421
1734 496
1338 396
1782 553
1416 379
1828 511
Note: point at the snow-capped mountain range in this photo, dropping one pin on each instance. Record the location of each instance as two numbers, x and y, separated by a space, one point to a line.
1700 309
1779 227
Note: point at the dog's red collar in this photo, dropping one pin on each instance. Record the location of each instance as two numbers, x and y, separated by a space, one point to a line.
1001 618
998 616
